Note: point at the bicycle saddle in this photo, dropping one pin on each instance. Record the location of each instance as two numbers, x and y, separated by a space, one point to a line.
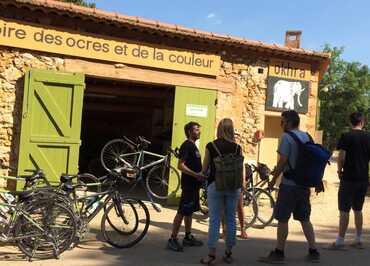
31 178
22 195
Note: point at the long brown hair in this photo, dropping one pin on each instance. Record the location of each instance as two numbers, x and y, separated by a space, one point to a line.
225 130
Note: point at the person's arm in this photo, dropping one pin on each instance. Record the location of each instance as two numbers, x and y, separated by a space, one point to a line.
283 152
206 162
186 170
340 163
341 147
281 164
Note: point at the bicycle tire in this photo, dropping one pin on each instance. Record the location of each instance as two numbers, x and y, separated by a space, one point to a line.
63 238
127 241
203 203
81 192
250 209
118 213
158 175
112 150
266 204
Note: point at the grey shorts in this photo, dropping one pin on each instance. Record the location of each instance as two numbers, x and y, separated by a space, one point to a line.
293 199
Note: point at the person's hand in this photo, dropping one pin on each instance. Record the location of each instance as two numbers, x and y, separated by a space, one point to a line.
200 177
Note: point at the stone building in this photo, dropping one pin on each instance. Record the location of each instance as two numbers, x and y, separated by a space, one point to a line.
133 76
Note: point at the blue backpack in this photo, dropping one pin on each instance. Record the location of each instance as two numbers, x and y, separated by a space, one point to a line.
310 165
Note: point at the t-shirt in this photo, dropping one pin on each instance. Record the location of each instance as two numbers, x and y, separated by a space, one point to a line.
356 144
190 154
289 148
225 147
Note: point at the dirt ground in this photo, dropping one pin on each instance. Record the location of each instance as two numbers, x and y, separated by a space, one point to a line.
151 250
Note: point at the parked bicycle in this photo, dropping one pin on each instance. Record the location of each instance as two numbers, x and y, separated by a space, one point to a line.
249 205
41 226
261 191
125 220
129 159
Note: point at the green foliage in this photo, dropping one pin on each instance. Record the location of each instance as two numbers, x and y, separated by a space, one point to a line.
80 2
345 88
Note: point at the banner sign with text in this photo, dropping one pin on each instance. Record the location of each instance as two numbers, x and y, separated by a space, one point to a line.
40 38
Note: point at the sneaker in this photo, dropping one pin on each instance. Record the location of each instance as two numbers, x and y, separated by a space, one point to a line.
313 256
191 241
174 245
274 257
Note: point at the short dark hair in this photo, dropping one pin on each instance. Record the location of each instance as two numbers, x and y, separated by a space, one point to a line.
291 117
189 126
356 118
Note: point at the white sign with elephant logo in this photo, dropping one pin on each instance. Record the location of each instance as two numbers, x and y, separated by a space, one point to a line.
287 94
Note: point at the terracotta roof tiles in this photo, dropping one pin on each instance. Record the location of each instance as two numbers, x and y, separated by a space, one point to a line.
166 27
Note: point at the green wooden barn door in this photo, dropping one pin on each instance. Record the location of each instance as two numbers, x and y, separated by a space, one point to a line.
198 105
51 122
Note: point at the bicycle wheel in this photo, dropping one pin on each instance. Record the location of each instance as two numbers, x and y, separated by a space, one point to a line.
122 210
250 209
128 229
114 151
203 201
266 204
58 226
89 185
158 179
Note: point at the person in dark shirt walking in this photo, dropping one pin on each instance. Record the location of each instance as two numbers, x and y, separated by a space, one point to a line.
353 172
190 165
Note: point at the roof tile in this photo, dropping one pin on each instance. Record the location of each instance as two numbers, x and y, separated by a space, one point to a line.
142 22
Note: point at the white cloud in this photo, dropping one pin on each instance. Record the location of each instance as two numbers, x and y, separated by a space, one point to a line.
214 19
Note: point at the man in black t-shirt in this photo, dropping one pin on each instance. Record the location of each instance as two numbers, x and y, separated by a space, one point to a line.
353 172
190 165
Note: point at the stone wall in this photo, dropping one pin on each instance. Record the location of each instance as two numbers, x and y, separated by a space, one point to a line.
13 65
245 104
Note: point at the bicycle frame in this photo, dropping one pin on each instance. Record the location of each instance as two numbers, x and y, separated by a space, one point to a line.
16 212
141 167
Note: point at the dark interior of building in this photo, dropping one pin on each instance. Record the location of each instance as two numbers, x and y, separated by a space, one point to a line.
113 109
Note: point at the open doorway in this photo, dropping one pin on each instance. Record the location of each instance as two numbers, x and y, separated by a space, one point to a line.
113 109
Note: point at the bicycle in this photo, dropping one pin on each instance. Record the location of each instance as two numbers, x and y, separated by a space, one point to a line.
128 158
120 220
261 191
40 226
249 205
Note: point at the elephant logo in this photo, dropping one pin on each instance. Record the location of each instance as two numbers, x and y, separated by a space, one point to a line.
285 93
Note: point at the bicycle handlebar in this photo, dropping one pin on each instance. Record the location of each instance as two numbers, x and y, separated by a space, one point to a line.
175 152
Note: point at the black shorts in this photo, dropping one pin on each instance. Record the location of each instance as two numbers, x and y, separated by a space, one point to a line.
189 202
352 195
292 199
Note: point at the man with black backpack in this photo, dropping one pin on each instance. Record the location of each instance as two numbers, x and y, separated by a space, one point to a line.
353 172
294 194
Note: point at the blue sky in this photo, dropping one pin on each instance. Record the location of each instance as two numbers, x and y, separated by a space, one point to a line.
337 22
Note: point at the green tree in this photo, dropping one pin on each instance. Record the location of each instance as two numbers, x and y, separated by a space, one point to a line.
345 88
80 2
